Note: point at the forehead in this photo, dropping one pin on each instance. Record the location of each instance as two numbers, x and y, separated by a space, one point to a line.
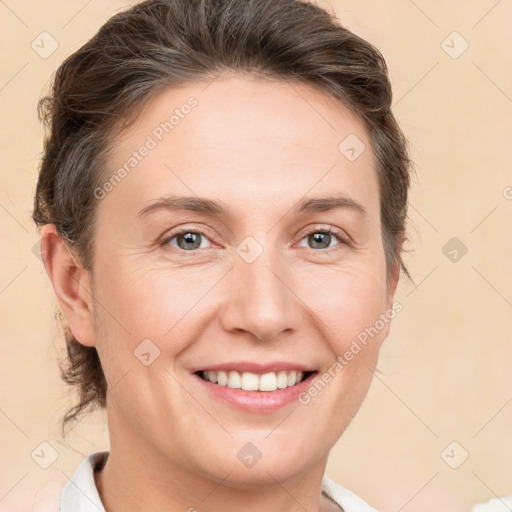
243 137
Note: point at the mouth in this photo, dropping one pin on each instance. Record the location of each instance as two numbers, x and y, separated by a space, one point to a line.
255 391
249 381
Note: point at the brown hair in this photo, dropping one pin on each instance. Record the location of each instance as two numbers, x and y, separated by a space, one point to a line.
159 44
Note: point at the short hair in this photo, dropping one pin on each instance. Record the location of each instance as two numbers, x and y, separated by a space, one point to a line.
161 44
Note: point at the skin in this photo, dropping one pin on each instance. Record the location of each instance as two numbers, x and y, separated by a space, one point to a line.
259 147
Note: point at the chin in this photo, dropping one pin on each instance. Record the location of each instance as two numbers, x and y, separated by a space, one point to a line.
247 465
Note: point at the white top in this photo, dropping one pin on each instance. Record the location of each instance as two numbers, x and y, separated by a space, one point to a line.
495 505
81 495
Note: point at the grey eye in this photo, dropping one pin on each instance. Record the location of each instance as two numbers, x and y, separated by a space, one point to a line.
187 240
321 239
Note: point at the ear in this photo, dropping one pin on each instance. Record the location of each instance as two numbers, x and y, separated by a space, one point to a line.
391 285
71 284
394 275
393 282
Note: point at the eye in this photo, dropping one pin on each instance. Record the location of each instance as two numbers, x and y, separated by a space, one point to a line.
322 238
192 239
186 239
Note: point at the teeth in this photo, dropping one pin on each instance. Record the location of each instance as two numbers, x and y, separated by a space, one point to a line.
268 382
249 381
282 380
212 376
222 378
292 378
234 380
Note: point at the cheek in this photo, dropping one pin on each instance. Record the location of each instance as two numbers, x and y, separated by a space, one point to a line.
156 302
349 303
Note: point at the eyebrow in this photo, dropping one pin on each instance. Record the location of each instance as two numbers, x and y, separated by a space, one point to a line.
214 208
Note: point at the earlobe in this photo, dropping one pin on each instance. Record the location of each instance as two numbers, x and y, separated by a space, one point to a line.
71 284
394 278
392 283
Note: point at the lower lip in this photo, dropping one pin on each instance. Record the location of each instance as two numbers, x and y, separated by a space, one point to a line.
259 401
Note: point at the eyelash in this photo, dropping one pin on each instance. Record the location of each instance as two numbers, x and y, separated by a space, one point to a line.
330 231
327 230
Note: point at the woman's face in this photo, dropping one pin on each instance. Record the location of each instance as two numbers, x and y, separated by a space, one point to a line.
240 280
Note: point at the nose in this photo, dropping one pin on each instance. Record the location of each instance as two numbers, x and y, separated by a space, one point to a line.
260 298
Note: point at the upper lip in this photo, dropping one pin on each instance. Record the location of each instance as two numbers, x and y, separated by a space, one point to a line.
251 366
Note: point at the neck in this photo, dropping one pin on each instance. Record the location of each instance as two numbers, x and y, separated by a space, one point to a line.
143 479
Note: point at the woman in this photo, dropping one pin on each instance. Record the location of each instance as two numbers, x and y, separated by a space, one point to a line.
223 196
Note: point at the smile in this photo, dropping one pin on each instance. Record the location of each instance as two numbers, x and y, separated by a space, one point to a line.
255 386
249 381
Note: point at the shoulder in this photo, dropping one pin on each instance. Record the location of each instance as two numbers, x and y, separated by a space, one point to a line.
344 498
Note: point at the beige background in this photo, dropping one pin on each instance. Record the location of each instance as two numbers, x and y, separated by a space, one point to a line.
446 366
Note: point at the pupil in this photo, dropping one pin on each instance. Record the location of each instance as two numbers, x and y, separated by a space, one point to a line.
321 238
190 238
